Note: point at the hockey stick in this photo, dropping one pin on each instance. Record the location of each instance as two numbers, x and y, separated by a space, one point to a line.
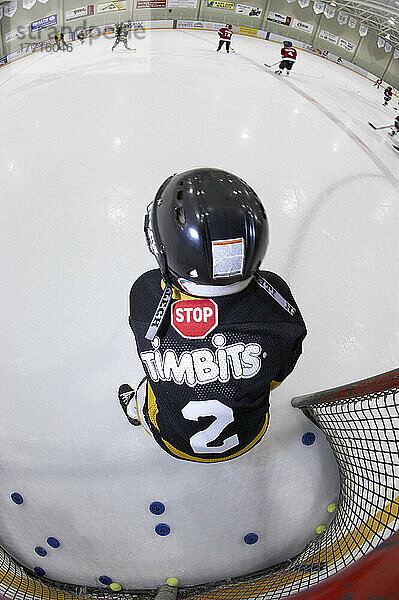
273 65
376 128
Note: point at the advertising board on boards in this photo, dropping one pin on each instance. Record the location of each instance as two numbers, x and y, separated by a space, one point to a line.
80 13
278 18
43 23
302 25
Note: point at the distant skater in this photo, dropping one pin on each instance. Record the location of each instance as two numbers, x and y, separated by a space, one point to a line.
387 95
121 36
288 55
225 34
60 41
81 36
377 83
395 127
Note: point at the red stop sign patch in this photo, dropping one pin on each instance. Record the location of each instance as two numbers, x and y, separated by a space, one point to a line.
194 318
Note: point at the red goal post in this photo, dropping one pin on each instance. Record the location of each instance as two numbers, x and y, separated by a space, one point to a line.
374 577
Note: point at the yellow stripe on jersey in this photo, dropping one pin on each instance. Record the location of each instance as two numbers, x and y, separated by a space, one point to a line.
153 411
275 384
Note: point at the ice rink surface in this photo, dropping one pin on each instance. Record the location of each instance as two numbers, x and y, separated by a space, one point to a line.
86 139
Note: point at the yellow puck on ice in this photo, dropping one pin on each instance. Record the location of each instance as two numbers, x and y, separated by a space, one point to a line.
115 587
332 507
172 581
320 529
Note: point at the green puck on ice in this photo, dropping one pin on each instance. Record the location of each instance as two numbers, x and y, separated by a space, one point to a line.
172 581
115 587
320 529
332 507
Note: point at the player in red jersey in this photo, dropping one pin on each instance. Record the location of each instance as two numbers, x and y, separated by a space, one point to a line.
387 95
395 127
288 55
225 34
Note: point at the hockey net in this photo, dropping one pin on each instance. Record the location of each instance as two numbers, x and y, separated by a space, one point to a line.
361 423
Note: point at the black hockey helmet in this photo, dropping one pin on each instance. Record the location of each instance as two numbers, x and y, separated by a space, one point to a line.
287 44
208 231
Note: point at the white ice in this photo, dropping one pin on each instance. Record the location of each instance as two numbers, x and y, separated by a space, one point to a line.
86 139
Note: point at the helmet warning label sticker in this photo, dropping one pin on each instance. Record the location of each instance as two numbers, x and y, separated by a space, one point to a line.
194 318
227 257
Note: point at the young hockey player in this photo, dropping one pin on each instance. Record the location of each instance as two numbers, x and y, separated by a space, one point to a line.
288 55
377 83
60 41
395 127
213 332
57 40
81 36
387 95
225 34
121 35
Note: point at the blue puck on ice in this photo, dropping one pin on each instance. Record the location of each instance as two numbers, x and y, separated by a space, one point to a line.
162 529
157 508
39 571
251 538
53 542
40 551
17 498
105 580
308 438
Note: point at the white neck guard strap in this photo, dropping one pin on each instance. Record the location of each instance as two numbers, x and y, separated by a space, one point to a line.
212 291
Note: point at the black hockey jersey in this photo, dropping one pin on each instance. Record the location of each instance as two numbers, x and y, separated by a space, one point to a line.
210 367
121 33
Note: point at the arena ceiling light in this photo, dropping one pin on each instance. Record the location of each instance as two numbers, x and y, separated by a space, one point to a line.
379 15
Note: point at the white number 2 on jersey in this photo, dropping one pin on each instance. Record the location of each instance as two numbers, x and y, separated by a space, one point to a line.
224 416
